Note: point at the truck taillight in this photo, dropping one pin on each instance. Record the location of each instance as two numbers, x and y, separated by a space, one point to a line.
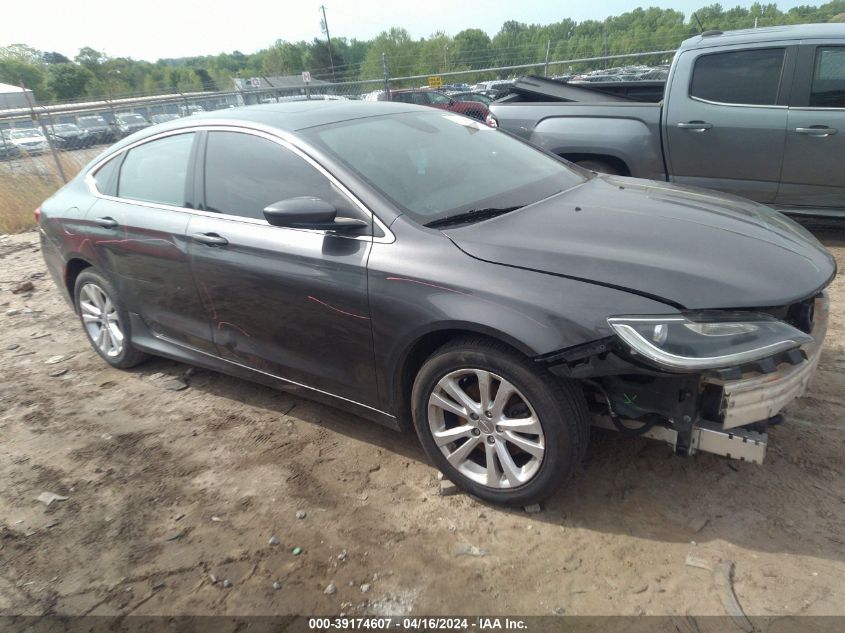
38 215
491 120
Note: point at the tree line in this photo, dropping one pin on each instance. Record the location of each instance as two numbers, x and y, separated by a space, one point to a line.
54 77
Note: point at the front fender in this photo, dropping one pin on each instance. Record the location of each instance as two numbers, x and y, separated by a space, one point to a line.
441 288
629 140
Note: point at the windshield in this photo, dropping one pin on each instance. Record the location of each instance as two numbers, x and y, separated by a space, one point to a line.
436 97
435 165
25 133
65 127
92 121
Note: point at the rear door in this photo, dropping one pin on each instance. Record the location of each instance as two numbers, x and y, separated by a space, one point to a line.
288 302
725 119
813 168
137 226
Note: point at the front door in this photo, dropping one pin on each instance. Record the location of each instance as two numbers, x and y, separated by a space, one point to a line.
725 129
813 167
288 302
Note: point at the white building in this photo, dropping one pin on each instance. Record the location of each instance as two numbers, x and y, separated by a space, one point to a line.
13 97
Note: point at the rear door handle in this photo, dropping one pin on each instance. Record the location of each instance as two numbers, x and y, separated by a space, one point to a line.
695 126
211 239
816 130
106 223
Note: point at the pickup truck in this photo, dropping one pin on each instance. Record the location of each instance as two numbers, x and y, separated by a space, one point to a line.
759 113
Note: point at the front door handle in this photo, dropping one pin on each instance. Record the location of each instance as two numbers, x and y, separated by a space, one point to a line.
816 130
211 239
695 126
106 223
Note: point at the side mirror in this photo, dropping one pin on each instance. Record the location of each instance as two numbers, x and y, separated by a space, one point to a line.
309 213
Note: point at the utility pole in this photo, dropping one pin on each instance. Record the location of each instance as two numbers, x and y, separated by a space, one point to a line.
548 51
324 25
386 77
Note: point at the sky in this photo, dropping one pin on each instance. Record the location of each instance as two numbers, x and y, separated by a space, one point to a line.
153 29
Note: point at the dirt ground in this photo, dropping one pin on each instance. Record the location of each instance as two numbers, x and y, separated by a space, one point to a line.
173 498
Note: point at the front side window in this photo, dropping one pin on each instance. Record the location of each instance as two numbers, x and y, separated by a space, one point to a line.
157 171
750 77
439 99
246 173
828 89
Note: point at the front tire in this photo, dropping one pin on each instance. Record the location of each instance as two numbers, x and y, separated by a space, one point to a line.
497 425
105 320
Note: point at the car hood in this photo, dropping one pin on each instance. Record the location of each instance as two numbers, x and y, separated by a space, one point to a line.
692 248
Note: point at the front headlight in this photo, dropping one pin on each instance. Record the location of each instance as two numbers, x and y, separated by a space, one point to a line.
706 341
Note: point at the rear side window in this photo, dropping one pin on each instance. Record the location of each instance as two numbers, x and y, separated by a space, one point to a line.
828 89
246 173
106 177
157 171
749 77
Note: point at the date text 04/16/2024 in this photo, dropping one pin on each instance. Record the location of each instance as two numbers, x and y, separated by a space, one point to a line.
418 623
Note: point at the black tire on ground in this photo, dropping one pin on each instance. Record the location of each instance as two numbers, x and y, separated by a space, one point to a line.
559 405
599 166
128 356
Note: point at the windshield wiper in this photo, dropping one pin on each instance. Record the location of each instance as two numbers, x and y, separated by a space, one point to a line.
470 216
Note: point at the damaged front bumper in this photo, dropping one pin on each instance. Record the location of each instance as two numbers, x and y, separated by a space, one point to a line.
759 396
710 418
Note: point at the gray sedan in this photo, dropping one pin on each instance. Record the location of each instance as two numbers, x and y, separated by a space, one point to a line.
422 270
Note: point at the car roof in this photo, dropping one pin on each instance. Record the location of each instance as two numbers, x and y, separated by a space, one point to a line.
298 115
764 34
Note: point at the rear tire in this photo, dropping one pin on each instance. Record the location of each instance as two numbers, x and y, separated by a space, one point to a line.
105 320
496 424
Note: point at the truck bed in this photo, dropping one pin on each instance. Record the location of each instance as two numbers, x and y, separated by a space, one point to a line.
532 88
619 130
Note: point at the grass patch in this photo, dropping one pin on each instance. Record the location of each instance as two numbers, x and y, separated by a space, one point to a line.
26 183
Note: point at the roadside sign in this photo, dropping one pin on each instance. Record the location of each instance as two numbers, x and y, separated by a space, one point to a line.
255 82
435 82
306 77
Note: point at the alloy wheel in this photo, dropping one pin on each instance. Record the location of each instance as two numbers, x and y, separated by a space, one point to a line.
486 428
101 320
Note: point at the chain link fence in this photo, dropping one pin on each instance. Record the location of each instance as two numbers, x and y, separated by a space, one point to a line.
42 146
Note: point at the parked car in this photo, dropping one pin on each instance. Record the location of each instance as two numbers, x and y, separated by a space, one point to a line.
69 136
8 150
458 87
479 97
163 118
129 123
595 79
425 271
436 99
97 128
758 113
28 140
190 110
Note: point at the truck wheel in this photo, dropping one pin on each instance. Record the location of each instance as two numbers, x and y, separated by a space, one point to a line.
497 425
599 166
